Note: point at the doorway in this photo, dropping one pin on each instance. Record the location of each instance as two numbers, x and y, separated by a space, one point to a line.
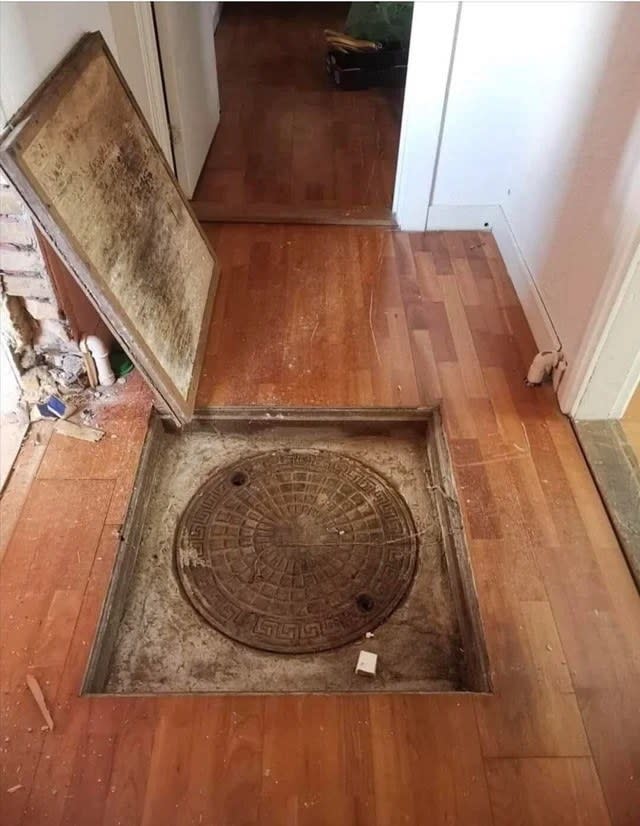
293 143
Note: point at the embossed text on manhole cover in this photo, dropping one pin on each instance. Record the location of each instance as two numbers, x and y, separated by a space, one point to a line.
296 551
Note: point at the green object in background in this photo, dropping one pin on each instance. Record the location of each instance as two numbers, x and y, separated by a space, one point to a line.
382 22
121 364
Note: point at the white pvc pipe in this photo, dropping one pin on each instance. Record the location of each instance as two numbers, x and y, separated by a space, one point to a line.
100 353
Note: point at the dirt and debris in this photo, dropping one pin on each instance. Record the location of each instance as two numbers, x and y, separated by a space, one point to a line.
37 384
76 412
44 352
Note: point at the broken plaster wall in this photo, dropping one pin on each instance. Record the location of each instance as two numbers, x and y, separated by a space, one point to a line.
33 323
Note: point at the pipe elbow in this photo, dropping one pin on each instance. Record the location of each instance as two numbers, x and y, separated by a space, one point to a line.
100 354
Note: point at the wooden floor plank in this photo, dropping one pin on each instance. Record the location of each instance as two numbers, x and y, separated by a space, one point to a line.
448 775
128 778
19 484
325 772
537 792
166 793
284 796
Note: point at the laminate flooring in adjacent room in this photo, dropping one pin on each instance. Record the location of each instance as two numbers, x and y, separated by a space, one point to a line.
290 146
362 317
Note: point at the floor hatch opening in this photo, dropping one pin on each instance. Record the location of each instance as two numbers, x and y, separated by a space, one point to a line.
265 549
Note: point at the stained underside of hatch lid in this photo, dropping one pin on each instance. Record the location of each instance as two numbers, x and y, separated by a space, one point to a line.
86 163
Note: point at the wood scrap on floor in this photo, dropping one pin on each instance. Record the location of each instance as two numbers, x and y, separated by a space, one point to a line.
38 696
79 431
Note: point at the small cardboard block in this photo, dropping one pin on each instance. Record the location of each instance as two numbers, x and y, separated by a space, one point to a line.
367 663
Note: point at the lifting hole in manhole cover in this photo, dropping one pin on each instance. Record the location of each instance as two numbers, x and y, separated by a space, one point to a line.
316 551
364 603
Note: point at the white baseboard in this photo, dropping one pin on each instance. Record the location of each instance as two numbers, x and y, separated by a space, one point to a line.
443 217
491 217
536 313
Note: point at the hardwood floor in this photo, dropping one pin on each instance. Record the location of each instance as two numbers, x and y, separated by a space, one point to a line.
289 145
319 316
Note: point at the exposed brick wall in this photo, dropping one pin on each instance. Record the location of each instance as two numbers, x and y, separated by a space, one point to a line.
34 323
22 268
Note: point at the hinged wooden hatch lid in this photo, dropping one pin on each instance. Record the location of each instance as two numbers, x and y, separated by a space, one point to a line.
81 155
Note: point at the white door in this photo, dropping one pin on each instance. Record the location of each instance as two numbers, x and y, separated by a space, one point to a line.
188 58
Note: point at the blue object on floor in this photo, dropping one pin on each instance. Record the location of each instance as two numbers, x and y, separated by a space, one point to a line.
53 408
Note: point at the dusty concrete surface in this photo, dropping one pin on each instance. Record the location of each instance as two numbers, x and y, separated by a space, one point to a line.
616 470
163 645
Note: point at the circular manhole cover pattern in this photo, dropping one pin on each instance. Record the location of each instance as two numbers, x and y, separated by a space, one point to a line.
296 551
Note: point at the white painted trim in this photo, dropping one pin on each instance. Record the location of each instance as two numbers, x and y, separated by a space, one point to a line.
627 390
153 77
430 55
608 369
188 59
524 283
445 217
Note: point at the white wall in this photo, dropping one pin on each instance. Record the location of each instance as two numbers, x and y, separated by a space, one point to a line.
520 87
34 37
542 121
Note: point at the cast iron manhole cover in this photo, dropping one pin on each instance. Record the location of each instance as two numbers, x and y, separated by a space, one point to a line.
296 551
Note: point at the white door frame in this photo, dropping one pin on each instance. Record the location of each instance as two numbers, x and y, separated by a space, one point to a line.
137 54
188 61
433 34
607 368
607 371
